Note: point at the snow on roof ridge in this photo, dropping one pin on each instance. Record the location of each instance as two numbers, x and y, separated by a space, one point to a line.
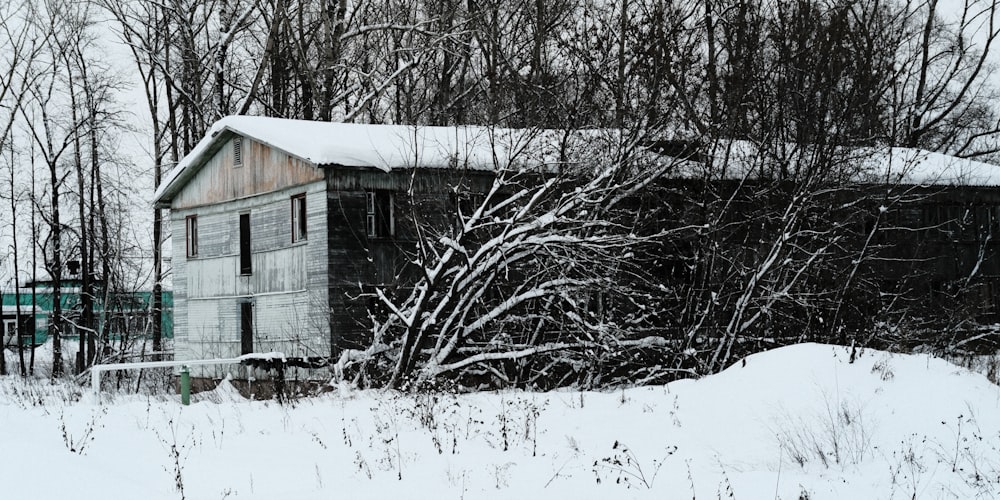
920 166
361 145
735 159
385 147
388 147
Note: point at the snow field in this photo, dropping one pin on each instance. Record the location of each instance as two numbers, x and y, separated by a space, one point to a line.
797 422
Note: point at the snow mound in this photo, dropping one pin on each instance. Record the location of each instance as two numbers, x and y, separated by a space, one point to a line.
225 392
806 421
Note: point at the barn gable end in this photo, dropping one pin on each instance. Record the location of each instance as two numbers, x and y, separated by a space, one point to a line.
249 286
261 169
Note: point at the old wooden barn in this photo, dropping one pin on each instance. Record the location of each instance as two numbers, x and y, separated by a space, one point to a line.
283 228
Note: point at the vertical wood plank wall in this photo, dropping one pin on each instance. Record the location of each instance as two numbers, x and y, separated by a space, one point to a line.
306 295
288 283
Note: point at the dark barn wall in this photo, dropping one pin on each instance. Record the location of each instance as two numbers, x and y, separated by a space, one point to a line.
933 261
942 246
424 197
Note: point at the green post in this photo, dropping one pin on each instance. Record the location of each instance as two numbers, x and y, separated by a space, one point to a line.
185 386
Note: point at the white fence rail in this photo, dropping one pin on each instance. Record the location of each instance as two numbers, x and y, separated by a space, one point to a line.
97 370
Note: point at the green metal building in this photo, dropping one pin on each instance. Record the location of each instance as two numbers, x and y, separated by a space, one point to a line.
128 313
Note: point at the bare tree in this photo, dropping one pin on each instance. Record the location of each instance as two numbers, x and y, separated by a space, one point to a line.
20 50
943 80
52 137
517 274
142 28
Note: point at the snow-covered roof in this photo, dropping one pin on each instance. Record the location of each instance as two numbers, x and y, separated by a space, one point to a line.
388 147
921 167
906 166
385 147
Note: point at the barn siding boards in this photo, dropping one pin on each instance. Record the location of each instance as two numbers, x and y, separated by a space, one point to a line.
309 296
316 263
348 269
942 256
436 180
278 264
357 263
263 170
182 339
286 286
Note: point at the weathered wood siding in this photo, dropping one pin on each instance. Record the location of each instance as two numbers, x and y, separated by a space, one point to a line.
289 281
359 263
350 269
263 170
945 239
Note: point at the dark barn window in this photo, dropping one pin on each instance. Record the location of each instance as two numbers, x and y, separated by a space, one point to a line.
246 327
246 266
298 217
191 227
379 213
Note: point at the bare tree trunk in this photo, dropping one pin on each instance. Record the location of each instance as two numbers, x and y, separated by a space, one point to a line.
87 248
622 60
3 344
17 277
106 253
157 306
334 25
34 265
711 66
86 320
55 265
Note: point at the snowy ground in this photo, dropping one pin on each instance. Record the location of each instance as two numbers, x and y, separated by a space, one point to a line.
797 422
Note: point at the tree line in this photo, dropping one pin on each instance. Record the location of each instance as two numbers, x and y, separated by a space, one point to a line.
774 74
908 73
66 186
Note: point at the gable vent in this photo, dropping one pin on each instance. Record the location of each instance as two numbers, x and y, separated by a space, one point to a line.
237 151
